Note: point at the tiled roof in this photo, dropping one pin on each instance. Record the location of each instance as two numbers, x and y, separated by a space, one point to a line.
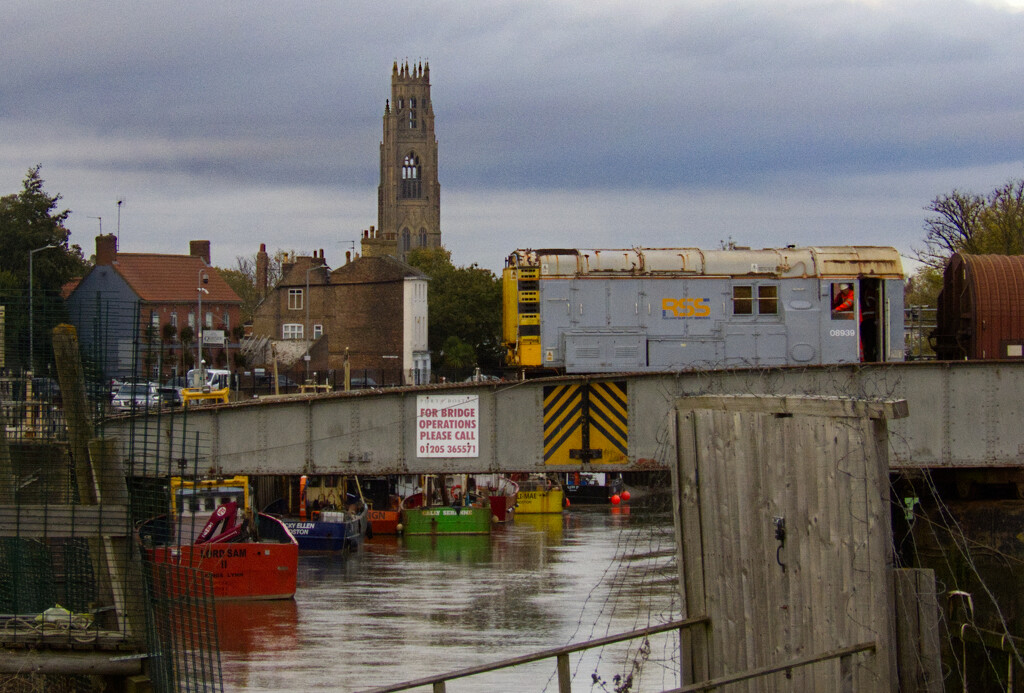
69 287
171 278
374 269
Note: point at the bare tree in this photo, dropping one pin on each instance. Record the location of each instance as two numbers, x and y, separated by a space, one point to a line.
952 228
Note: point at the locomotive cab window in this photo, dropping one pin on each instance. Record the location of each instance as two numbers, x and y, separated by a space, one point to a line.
742 300
766 303
842 301
768 300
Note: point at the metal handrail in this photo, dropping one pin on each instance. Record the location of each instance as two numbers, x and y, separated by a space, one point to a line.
841 653
560 653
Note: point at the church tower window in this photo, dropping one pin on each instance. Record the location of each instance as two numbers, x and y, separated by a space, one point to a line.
411 184
406 241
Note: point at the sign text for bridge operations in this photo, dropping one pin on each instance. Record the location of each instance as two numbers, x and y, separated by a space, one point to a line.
447 426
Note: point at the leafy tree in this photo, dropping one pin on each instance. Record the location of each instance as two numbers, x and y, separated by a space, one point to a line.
29 221
244 281
969 223
923 287
966 223
243 285
464 303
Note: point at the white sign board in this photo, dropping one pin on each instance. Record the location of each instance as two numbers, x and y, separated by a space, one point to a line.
447 426
213 337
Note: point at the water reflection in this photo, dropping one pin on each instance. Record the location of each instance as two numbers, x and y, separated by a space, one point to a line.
401 608
469 548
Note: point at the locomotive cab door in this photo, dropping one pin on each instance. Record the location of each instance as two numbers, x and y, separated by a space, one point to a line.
872 324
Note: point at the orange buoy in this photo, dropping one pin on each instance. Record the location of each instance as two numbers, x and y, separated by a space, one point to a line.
625 495
616 500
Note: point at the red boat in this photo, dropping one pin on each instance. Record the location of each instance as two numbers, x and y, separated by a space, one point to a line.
250 555
385 505
385 521
501 493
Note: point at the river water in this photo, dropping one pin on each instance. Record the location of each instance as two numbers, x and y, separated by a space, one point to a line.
404 608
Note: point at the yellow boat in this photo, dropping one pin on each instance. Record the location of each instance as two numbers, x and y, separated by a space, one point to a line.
539 495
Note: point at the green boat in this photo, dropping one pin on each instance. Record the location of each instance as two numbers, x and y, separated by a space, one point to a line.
443 508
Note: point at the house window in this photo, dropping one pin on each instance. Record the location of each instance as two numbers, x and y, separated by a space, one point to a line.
317 330
291 330
227 322
742 300
192 320
209 320
154 319
174 319
294 299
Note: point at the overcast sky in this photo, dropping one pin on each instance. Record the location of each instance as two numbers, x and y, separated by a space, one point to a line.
560 123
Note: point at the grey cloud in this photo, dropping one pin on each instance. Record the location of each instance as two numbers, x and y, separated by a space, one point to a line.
532 96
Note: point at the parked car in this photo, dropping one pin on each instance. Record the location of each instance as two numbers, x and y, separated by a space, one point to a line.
361 383
170 396
138 396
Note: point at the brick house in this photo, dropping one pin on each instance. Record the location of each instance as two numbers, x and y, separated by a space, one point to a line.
153 296
372 309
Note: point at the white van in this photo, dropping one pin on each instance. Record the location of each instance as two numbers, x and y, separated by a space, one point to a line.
216 379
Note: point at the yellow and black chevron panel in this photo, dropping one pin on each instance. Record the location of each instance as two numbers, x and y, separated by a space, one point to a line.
586 422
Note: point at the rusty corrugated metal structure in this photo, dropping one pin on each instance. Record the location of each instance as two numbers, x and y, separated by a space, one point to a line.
981 308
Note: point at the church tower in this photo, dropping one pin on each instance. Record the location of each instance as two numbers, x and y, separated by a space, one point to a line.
409 196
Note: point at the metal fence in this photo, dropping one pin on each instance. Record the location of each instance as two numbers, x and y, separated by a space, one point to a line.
72 580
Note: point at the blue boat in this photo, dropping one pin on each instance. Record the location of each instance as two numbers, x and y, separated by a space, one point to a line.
336 530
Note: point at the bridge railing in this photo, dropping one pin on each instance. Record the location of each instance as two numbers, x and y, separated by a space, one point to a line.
560 654
843 654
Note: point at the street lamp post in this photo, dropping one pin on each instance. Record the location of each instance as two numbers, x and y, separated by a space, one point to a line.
31 323
203 278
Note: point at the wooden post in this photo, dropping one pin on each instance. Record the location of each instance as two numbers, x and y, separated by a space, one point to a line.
917 630
100 480
439 687
564 675
76 412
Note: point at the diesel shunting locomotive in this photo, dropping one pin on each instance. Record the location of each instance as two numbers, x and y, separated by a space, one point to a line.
658 309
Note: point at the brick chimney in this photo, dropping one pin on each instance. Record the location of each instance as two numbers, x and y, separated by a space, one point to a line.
106 249
200 249
262 270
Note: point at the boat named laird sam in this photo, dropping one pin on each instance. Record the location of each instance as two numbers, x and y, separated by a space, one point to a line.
212 528
441 507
